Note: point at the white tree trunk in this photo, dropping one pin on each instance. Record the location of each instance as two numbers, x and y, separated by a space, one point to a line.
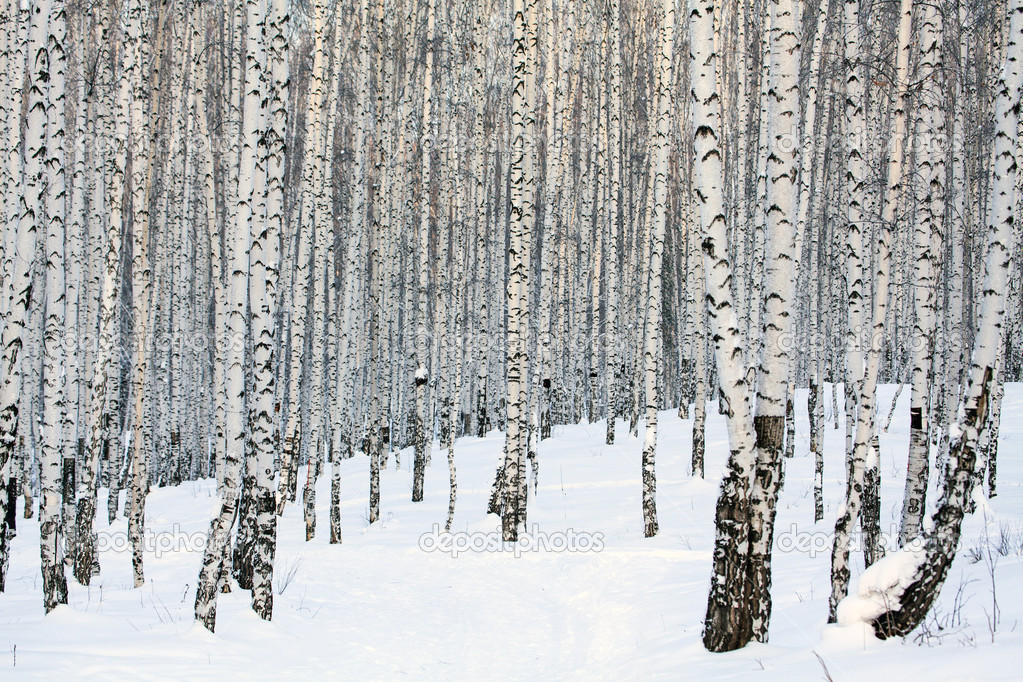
864 453
520 232
725 626
51 451
930 127
217 545
652 349
942 542
20 247
781 247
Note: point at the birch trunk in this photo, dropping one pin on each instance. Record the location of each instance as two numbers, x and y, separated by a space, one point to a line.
104 376
942 542
925 241
864 453
263 272
772 389
24 212
652 349
50 62
520 228
213 570
726 625
422 375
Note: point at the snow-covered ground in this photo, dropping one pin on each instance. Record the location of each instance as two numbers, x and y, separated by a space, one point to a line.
381 606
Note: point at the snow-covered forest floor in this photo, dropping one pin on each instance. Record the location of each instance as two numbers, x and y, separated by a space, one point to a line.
379 606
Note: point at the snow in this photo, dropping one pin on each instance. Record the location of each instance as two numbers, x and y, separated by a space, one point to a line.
955 432
381 606
871 460
881 586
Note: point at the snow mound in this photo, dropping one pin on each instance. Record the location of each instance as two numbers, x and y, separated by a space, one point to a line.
881 586
955 432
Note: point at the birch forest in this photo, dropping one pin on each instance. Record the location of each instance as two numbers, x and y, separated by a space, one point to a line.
248 242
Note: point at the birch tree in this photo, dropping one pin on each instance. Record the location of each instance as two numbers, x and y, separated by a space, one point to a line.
49 67
136 39
925 232
934 560
27 216
725 625
263 270
104 375
520 229
772 388
422 374
864 452
212 572
652 331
